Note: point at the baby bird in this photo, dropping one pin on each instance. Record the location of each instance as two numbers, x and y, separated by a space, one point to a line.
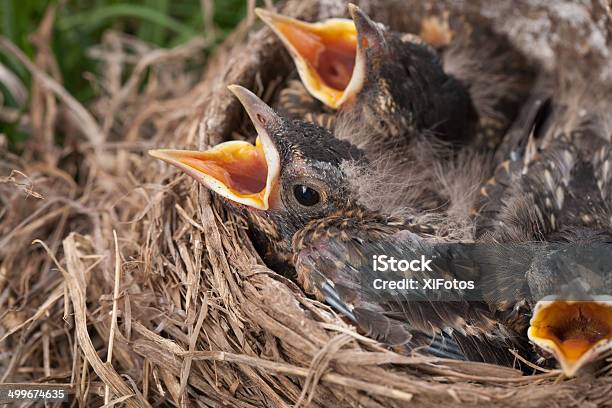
389 87
295 188
394 100
556 187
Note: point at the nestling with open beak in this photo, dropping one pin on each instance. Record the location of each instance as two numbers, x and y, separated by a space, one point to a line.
296 191
385 88
290 176
556 186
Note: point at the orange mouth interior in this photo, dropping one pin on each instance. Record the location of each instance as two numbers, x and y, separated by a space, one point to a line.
330 51
574 327
241 167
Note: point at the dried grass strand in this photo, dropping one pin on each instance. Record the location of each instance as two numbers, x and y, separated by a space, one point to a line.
113 322
75 280
85 120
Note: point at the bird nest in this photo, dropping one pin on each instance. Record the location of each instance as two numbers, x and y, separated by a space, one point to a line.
141 289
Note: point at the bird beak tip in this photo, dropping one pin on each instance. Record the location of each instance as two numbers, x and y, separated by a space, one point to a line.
356 13
162 154
369 32
158 154
263 14
273 20
247 99
353 10
235 89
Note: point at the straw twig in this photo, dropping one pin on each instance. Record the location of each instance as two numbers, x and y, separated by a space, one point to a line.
113 325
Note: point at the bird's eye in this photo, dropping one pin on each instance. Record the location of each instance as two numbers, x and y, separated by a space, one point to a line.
306 196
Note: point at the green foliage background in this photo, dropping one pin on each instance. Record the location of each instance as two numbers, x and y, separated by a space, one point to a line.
80 24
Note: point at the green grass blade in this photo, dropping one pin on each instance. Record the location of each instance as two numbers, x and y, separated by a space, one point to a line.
97 17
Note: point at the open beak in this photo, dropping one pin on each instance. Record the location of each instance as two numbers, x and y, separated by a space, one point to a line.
574 332
329 60
237 170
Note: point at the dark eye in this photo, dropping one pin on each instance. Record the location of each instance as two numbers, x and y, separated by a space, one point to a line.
305 195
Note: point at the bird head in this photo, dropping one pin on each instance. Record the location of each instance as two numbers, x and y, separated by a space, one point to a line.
290 176
380 92
374 76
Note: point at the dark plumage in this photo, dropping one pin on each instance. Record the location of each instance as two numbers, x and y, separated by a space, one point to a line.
387 86
556 179
556 186
405 91
396 88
